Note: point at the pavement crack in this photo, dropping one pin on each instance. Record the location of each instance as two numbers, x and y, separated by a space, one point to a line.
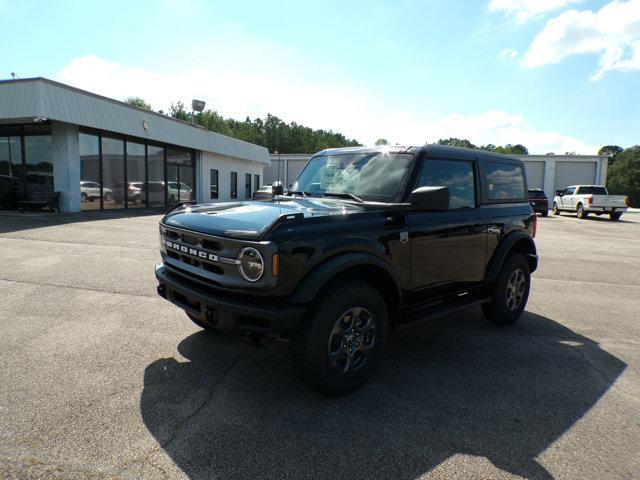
177 430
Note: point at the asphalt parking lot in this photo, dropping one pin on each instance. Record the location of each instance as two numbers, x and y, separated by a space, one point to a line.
101 378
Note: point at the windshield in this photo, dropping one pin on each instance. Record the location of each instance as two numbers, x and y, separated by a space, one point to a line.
373 176
593 190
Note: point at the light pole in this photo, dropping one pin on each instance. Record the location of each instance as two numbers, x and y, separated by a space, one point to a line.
196 106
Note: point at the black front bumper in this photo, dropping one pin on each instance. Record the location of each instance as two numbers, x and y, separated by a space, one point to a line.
229 314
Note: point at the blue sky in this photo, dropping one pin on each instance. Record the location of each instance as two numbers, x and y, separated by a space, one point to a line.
555 75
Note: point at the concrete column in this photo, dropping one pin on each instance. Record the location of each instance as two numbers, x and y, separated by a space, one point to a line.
603 163
550 177
66 165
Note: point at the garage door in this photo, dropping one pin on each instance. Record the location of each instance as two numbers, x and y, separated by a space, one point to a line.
575 173
535 174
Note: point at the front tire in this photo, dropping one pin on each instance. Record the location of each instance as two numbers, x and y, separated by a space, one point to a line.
510 292
340 342
615 216
556 210
545 213
582 213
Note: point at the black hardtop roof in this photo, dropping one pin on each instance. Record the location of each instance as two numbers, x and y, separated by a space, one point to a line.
432 150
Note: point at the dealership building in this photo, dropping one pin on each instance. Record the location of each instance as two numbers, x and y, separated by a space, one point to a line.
100 153
547 172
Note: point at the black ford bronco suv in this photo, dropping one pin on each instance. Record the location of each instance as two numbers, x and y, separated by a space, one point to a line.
365 240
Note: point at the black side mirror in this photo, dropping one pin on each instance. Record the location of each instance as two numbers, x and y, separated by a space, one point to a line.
431 198
559 192
277 188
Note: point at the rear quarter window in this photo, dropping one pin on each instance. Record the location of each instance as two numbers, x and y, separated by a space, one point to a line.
505 181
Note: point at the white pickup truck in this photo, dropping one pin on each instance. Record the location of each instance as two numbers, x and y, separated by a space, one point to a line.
586 199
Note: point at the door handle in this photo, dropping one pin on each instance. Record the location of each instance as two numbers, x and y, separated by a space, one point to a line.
494 230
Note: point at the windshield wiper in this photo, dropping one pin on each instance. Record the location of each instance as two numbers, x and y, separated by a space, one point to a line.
350 196
298 192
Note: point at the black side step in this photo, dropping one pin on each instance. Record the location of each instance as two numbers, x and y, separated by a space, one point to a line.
443 308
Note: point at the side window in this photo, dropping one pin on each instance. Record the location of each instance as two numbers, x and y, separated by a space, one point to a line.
234 185
571 190
505 181
457 175
214 184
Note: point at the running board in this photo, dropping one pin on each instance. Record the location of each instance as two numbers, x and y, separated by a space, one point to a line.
440 310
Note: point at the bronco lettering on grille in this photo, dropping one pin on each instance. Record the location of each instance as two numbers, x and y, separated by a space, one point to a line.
191 251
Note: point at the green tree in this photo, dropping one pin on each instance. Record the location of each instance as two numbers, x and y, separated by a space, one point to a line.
177 111
610 150
382 141
138 102
270 132
509 149
623 177
456 142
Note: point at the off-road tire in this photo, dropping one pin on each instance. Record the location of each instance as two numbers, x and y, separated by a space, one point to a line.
497 311
614 217
309 348
556 210
581 212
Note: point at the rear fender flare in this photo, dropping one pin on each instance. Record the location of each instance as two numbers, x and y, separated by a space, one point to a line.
519 241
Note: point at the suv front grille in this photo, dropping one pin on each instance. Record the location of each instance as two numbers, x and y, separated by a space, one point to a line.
195 250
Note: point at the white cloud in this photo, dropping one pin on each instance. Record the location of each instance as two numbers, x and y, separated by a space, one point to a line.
613 33
523 10
509 53
318 101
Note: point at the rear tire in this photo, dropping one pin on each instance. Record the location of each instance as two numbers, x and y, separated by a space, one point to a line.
340 342
582 213
545 213
556 210
510 292
615 216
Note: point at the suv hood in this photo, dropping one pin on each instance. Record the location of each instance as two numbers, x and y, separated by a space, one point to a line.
252 219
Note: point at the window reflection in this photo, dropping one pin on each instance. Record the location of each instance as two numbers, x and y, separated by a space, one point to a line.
505 181
136 193
156 176
112 173
456 175
11 173
89 172
39 163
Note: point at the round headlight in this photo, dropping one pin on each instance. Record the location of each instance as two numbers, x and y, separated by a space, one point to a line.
251 265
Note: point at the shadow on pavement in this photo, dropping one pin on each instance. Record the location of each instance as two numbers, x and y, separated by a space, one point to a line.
14 221
454 386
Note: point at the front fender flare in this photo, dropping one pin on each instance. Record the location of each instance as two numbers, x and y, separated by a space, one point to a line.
313 282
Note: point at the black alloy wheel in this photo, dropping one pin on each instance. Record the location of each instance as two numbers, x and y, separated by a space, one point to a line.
342 337
352 338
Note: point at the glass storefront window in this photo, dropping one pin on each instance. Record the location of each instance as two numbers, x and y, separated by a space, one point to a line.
112 173
11 174
156 176
39 163
136 175
89 147
179 176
